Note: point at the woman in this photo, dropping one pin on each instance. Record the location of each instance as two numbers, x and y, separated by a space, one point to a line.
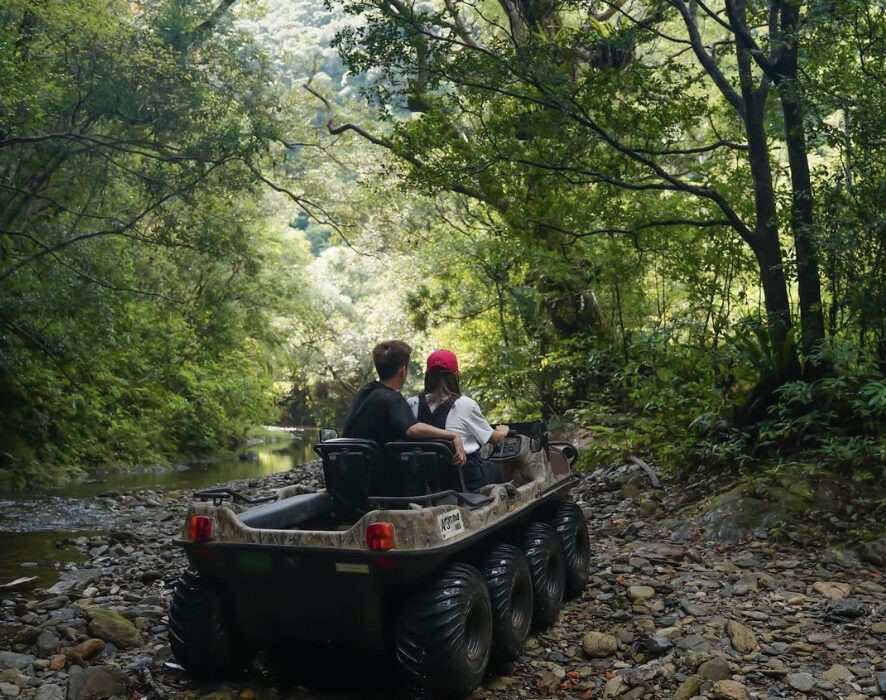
443 406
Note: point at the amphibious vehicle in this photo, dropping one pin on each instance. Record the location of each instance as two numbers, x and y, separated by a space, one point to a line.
394 558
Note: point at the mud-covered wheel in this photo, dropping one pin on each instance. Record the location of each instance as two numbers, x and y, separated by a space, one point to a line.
547 566
510 591
201 633
572 529
444 634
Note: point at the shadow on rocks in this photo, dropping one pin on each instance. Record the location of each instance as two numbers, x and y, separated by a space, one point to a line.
299 671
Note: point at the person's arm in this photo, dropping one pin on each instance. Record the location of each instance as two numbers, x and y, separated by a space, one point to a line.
423 430
499 434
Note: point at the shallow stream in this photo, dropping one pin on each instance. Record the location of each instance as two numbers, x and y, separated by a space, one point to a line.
33 524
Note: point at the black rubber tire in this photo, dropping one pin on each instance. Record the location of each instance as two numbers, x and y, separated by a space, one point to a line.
572 529
510 591
444 634
201 633
547 566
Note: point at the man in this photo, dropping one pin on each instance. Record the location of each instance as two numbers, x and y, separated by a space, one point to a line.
379 411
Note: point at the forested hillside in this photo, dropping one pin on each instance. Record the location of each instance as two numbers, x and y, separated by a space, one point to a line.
661 221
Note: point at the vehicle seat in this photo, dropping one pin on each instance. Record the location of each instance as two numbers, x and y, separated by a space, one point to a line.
353 469
287 512
423 467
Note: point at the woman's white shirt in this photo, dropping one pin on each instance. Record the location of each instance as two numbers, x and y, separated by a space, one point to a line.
466 419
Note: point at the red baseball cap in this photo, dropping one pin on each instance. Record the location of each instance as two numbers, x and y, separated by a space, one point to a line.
444 359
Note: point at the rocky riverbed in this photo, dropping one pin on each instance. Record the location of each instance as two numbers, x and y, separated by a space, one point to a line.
660 618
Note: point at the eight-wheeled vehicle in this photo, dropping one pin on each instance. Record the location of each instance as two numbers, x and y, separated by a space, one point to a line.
394 557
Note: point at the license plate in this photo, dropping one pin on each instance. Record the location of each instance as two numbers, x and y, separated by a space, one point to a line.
450 524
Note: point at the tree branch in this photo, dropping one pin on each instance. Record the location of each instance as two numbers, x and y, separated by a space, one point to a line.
706 60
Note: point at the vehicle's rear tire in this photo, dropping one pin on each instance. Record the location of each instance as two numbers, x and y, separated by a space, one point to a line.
202 634
510 591
444 634
547 566
572 529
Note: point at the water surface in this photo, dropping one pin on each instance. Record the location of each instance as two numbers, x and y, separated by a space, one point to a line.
33 524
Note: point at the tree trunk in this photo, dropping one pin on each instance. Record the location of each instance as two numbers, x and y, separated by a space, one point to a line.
802 215
765 242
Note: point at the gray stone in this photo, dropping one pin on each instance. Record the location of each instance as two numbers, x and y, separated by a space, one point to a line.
96 682
638 592
694 642
9 659
846 608
50 691
47 641
25 583
741 636
838 674
9 690
689 688
598 645
804 682
691 608
731 690
113 627
655 645
715 670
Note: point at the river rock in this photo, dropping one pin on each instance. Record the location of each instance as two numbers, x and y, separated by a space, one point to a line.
874 552
694 642
715 669
637 592
832 589
57 662
14 676
90 648
731 690
614 687
8 690
845 608
741 636
804 682
47 641
113 627
656 645
50 691
9 659
96 682
689 688
27 636
838 674
25 583
598 645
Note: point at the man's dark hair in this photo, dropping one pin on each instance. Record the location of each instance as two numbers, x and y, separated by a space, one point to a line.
389 356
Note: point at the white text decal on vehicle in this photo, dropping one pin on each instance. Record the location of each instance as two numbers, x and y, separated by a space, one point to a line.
450 524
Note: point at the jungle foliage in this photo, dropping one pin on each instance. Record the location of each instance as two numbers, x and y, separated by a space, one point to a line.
136 285
672 210
663 221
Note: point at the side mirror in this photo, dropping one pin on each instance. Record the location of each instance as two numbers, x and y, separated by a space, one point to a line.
327 434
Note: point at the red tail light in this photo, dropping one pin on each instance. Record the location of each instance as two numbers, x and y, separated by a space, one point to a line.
380 536
200 528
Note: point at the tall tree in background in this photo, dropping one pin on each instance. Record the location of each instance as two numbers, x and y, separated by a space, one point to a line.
135 305
626 102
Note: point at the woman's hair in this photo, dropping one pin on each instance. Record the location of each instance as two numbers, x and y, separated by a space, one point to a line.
442 384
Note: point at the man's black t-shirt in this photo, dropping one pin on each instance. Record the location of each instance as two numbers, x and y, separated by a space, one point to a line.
378 413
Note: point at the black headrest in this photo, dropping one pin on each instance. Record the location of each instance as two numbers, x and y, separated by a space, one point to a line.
438 446
347 445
